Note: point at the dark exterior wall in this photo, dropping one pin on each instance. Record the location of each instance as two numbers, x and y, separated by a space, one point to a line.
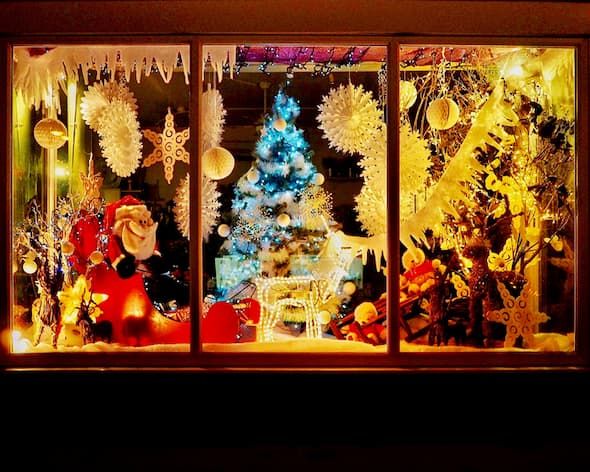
297 16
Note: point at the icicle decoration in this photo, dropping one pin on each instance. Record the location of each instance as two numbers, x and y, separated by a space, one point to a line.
349 118
487 129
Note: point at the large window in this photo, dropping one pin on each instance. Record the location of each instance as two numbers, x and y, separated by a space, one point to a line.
328 215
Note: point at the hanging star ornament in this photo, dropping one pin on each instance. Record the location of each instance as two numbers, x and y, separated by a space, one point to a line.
92 184
519 318
168 147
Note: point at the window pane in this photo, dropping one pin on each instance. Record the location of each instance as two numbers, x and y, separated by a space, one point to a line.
294 220
487 198
100 150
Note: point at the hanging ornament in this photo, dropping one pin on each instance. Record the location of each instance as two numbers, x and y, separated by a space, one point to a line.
91 184
30 266
217 163
283 220
168 147
407 94
67 248
99 96
96 257
349 288
210 204
279 124
318 179
442 113
213 118
349 117
50 133
120 138
223 230
110 109
253 176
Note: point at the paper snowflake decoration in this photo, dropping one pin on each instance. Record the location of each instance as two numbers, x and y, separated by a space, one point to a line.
210 204
168 147
99 96
349 118
110 109
371 202
316 207
212 119
120 138
519 318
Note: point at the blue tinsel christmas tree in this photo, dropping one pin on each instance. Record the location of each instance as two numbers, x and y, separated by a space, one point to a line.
269 222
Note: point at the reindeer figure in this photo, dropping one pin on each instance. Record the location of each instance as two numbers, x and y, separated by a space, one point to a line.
46 311
91 330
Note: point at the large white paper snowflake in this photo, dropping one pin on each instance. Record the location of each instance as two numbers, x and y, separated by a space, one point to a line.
210 204
349 117
212 119
120 138
371 202
98 97
414 164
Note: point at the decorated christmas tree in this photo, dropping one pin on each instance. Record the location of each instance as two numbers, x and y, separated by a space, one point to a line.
279 209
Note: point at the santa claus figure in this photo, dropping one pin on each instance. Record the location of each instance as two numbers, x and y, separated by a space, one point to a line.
117 251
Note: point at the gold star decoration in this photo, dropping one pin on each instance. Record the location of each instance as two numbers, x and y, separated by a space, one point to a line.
519 319
92 184
168 147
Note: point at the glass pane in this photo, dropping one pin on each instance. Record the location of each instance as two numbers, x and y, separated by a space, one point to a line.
100 138
294 220
487 198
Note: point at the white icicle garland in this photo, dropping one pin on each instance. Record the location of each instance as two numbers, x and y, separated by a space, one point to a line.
212 119
120 138
349 117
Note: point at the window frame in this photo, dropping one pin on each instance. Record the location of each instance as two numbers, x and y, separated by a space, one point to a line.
392 359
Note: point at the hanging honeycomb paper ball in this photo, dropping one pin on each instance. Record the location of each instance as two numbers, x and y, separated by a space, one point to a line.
279 124
442 113
283 220
407 94
218 163
50 133
223 230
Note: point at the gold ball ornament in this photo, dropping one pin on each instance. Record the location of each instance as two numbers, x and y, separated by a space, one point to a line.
407 94
96 257
67 248
253 176
279 124
349 288
324 317
217 163
30 266
223 230
442 113
283 220
50 133
318 179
